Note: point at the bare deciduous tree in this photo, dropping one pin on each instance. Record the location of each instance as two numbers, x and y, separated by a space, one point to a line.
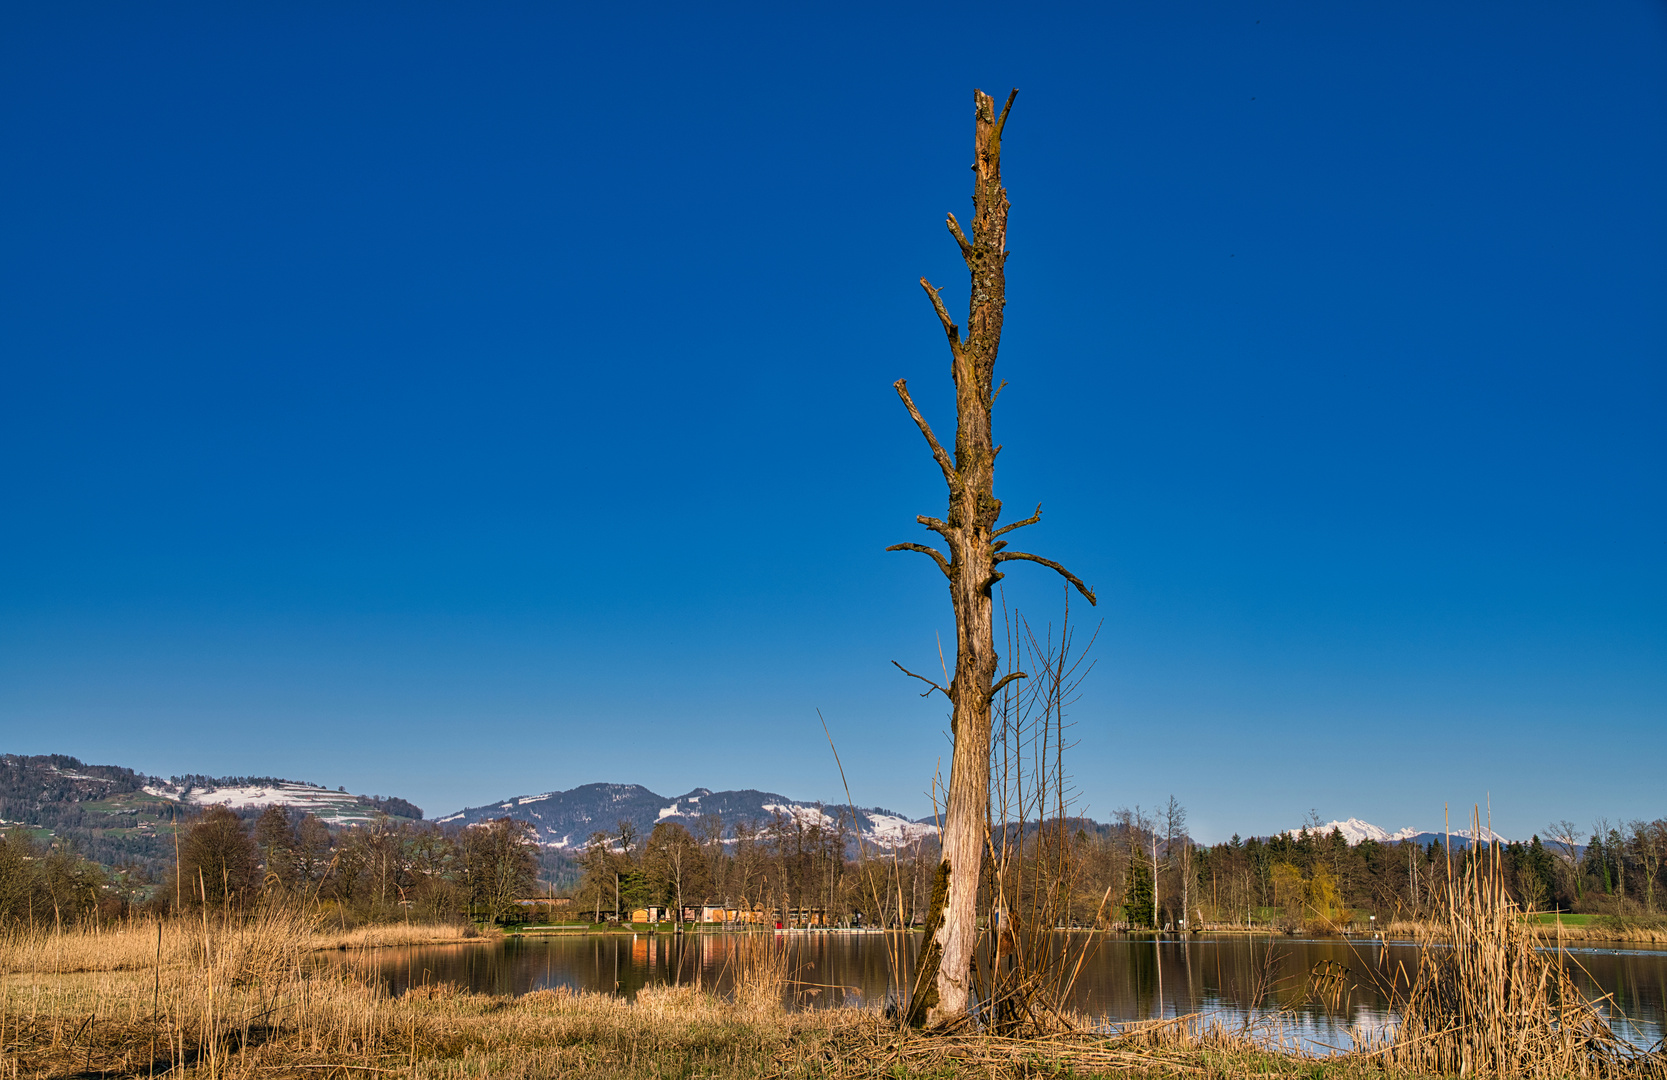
1565 842
943 970
672 860
501 862
1649 844
1177 848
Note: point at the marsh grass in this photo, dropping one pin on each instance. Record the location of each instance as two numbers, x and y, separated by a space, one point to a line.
763 971
143 943
1642 931
1487 1000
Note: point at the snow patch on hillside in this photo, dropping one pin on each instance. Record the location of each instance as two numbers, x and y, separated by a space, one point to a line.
1484 835
336 807
804 815
884 830
82 776
889 831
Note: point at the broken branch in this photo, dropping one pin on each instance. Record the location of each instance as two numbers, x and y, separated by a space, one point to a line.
949 326
1031 520
938 452
1005 556
922 678
961 238
1005 109
937 557
1005 679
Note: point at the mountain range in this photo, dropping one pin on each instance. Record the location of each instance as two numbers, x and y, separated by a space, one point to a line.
115 813
1356 831
565 820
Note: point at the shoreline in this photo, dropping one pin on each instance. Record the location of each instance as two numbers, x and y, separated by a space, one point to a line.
1397 933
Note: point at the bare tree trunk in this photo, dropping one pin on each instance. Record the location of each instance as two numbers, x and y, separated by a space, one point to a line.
943 970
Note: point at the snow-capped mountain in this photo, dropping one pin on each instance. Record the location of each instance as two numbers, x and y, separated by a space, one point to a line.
1356 831
565 820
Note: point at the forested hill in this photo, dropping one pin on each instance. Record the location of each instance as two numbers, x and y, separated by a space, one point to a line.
114 815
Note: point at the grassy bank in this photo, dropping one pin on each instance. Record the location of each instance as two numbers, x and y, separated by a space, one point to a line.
1548 928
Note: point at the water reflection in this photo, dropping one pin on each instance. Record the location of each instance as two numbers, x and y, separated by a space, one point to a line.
1241 981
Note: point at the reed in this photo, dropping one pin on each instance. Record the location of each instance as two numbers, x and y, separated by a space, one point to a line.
762 973
1485 1000
142 943
125 946
389 935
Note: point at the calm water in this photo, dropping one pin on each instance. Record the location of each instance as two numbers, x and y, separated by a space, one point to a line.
1123 979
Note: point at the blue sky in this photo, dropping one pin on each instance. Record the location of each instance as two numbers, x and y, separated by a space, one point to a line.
457 403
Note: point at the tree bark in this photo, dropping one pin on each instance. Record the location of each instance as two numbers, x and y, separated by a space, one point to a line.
970 534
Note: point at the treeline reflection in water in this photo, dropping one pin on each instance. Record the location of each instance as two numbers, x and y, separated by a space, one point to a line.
1237 979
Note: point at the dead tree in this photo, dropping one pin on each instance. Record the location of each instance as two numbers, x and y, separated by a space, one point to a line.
943 970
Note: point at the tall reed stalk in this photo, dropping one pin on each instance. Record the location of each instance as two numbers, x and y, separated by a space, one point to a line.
1486 1001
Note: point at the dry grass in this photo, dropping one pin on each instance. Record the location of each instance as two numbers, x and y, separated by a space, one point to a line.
386 935
1611 930
1486 1000
864 1045
233 1000
61 1026
224 999
146 944
143 943
762 973
238 999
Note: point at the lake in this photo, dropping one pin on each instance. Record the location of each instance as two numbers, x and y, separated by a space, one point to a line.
1231 977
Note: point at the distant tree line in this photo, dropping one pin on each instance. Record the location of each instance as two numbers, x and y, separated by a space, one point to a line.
202 782
51 886
790 868
1140 870
1317 878
387 869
